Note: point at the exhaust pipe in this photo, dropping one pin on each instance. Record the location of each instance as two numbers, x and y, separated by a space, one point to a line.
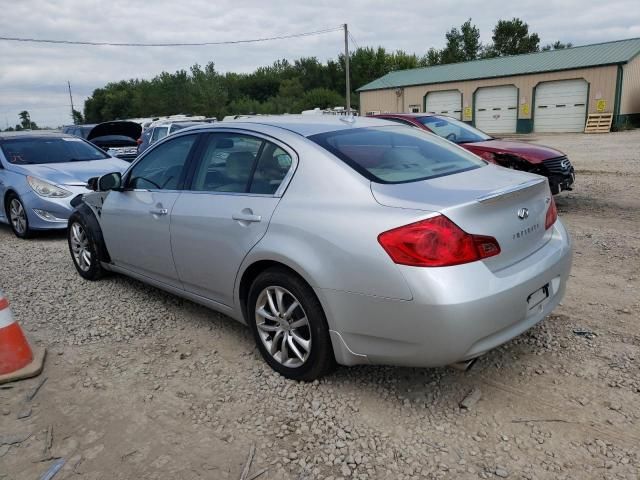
464 365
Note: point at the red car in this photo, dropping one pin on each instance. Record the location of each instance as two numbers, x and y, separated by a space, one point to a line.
545 161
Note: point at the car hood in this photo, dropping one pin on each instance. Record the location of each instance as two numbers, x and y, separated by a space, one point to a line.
528 151
72 173
119 128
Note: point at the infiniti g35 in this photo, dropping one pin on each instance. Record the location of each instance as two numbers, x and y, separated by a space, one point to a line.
356 241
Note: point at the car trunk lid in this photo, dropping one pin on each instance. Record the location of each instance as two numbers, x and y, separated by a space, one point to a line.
508 205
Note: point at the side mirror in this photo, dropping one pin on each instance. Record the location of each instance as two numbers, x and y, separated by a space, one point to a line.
92 184
110 181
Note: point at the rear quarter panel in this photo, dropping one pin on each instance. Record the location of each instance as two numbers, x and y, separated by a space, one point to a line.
326 228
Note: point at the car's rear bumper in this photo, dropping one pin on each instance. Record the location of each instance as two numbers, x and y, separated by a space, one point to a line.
456 313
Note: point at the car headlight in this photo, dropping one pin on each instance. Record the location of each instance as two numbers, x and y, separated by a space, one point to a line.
46 189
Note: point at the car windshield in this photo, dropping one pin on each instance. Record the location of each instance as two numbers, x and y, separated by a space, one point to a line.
397 154
454 130
29 151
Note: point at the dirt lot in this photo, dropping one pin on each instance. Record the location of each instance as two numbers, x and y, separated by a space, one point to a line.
141 384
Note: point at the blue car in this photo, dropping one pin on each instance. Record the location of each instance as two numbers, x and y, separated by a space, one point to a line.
40 172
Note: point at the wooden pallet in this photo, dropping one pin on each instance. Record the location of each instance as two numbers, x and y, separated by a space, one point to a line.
598 123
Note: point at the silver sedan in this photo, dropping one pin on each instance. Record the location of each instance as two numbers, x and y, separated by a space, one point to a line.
337 240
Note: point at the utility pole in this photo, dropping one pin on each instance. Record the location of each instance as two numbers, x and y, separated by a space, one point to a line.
73 117
346 68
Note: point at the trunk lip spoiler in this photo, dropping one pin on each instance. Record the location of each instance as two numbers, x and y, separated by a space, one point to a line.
509 190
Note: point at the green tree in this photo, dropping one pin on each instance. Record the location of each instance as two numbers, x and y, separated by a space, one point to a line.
77 117
365 64
207 90
321 98
25 120
557 45
433 57
512 37
462 45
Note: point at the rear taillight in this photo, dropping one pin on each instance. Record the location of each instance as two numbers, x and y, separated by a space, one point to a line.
552 215
436 242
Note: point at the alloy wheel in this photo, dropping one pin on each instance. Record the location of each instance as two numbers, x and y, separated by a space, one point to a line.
80 247
283 326
18 216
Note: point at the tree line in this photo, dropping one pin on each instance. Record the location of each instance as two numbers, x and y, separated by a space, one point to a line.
25 123
290 87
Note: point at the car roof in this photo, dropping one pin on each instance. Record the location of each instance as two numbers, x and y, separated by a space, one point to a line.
411 115
169 121
34 134
305 125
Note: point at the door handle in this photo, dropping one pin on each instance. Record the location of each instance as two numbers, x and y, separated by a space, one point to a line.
158 211
246 217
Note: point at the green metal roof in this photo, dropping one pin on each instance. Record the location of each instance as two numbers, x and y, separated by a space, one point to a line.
584 56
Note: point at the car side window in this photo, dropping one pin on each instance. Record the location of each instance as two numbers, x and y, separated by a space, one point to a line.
158 133
272 168
162 167
227 163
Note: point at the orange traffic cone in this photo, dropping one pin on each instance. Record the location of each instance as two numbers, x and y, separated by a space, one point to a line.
17 360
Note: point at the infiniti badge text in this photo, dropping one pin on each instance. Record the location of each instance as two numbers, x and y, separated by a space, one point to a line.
526 231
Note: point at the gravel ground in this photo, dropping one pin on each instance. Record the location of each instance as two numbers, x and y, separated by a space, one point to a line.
141 384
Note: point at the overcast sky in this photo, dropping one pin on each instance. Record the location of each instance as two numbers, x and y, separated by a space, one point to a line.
34 76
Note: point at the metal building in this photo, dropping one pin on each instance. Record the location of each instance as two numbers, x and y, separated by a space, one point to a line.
549 91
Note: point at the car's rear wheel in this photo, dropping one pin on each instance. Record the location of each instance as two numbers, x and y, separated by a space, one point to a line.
83 249
17 216
289 325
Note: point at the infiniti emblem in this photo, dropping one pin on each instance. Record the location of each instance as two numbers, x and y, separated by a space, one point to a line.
523 213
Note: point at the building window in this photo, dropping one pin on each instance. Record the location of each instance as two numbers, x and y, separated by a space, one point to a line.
414 108
373 112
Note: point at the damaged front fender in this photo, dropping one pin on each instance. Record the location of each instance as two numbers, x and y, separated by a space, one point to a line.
88 207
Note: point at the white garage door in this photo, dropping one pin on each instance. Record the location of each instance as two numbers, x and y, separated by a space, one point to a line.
444 103
496 109
561 106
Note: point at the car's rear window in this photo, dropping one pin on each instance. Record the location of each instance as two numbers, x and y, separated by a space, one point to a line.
397 154
27 151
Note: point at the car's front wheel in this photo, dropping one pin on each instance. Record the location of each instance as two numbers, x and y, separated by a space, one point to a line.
18 217
83 249
289 325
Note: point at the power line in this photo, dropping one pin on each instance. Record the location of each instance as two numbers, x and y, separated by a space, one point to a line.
354 41
198 44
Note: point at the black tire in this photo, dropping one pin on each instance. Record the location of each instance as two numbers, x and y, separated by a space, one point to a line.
88 269
19 231
319 360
